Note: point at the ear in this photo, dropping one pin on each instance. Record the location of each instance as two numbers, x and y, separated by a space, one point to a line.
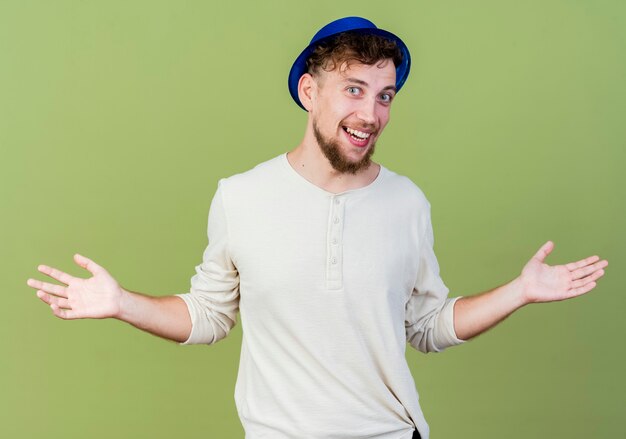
307 90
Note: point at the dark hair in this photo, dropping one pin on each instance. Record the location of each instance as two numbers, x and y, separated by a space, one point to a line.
350 47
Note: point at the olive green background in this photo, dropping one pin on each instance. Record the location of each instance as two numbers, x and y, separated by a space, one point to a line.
117 118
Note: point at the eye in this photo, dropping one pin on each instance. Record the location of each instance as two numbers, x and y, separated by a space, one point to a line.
354 90
386 97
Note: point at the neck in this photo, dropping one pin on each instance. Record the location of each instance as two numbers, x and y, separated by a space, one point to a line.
308 160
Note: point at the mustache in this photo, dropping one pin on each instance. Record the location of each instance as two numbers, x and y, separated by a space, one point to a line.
361 126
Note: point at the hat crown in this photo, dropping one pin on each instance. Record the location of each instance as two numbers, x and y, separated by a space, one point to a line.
342 25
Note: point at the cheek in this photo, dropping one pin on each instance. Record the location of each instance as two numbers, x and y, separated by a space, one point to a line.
332 113
383 117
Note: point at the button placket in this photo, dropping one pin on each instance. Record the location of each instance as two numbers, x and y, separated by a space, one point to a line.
334 267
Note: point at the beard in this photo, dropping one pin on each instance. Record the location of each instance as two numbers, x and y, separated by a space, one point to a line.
337 159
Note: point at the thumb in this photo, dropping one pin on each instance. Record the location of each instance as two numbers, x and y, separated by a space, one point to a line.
544 251
88 264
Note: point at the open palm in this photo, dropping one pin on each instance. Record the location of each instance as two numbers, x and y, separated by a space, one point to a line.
97 297
545 283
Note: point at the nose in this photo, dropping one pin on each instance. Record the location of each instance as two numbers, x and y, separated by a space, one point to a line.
367 111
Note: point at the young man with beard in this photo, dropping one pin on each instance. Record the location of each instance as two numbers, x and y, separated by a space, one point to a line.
329 258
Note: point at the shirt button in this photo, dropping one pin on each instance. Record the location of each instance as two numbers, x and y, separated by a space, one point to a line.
336 220
333 260
334 240
337 201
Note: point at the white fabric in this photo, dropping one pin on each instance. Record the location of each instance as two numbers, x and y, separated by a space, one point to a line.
330 288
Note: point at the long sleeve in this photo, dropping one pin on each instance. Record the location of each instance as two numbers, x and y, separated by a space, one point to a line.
213 300
429 320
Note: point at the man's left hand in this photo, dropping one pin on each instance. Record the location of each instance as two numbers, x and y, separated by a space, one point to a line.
544 283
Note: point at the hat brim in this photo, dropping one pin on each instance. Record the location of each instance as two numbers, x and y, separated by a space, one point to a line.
299 67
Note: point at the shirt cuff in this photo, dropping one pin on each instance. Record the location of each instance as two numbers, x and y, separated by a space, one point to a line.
446 336
201 330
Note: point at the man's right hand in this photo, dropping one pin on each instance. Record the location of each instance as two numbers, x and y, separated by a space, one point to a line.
100 297
97 297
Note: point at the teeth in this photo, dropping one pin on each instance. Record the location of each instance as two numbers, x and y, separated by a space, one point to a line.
358 133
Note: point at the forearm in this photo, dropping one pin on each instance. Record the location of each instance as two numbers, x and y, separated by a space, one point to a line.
474 315
166 317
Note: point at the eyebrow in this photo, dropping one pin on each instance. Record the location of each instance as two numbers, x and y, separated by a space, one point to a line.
361 82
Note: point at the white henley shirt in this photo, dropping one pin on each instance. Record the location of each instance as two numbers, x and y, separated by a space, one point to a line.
330 288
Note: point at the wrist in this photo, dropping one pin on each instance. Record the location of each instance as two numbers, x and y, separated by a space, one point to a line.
517 292
124 306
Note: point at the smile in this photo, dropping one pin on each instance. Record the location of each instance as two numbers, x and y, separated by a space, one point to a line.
356 134
357 138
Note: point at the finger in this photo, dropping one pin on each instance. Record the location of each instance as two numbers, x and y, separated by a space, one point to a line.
544 251
582 290
583 262
65 314
56 274
585 271
585 280
88 264
50 299
57 290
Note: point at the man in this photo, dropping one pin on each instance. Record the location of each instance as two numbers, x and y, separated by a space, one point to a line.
329 258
